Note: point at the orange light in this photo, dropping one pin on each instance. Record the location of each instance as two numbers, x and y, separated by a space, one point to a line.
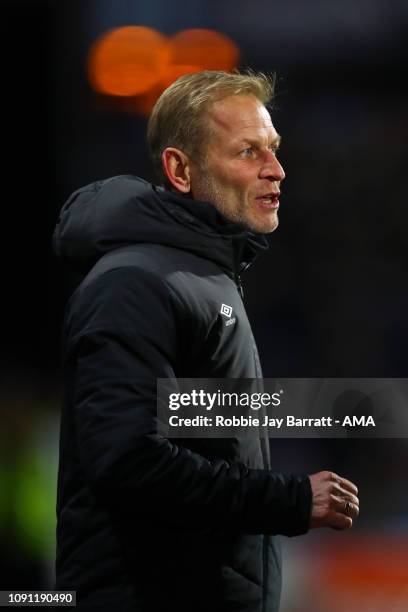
138 63
199 49
127 61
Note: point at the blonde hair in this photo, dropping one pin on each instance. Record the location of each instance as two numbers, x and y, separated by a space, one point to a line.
178 117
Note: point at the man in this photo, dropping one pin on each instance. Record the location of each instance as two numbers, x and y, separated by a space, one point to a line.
145 523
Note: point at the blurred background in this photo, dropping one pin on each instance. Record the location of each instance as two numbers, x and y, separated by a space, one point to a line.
329 300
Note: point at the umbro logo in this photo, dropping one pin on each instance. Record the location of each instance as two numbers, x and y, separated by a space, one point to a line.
226 311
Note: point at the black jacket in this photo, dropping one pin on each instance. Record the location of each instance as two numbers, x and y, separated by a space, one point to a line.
146 523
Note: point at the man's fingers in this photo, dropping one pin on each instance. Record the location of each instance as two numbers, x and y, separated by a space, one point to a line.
340 521
342 493
349 486
335 501
346 507
351 510
344 483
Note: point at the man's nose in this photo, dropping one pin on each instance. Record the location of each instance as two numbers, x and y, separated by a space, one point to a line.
271 168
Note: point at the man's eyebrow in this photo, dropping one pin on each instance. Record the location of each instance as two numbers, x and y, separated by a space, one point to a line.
255 142
276 141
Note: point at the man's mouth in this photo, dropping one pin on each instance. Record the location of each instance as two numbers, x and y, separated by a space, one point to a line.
269 200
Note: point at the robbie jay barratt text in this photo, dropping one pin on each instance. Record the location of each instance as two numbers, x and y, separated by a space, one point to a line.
250 421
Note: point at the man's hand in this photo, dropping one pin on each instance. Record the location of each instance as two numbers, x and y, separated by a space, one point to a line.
335 502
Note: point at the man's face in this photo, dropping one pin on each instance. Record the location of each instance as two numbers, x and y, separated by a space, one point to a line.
240 173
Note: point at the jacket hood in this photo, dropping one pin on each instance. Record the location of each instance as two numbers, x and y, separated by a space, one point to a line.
124 210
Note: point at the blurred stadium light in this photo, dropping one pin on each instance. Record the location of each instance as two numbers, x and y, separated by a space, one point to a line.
136 61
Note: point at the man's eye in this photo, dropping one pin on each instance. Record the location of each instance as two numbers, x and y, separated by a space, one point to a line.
274 149
247 152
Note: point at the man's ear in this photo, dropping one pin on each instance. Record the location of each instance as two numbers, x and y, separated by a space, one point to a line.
176 167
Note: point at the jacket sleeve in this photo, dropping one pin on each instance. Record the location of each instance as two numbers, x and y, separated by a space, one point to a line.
122 334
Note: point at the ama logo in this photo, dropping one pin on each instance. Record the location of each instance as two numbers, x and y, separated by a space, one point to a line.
358 421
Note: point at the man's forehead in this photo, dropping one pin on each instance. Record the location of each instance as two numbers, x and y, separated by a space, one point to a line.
240 113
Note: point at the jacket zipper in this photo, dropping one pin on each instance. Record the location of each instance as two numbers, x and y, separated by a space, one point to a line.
239 285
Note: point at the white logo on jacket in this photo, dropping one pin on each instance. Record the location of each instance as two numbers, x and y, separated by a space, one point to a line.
226 311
